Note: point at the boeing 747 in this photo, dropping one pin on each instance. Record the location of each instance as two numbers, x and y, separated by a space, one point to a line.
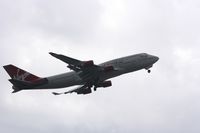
85 74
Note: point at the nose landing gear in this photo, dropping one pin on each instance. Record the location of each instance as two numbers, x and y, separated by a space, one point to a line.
149 71
148 68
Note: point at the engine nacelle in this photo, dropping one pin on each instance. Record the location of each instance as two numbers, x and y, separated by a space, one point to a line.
88 63
84 91
108 68
105 84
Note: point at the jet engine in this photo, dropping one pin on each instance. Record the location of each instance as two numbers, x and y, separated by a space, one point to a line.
105 84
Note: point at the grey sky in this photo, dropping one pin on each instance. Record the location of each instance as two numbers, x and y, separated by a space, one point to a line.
167 100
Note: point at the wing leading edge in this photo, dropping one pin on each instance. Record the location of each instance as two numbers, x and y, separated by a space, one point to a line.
74 64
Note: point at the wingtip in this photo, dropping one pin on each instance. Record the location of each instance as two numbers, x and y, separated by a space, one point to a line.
54 93
51 53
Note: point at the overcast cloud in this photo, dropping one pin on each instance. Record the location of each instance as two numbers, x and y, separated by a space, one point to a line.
167 100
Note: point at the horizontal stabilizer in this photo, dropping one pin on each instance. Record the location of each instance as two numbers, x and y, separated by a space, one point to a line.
21 84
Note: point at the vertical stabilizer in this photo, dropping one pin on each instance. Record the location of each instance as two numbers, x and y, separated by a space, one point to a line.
19 74
23 80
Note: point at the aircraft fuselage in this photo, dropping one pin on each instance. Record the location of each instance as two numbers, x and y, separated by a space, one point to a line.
122 65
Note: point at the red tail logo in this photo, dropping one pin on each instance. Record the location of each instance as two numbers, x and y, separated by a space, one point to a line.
19 74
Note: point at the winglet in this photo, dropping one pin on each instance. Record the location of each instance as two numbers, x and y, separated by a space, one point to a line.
66 59
53 54
55 93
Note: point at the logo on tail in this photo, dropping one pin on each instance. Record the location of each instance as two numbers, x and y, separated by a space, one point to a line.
22 79
19 74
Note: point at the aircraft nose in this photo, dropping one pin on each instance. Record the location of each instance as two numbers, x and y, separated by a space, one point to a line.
156 58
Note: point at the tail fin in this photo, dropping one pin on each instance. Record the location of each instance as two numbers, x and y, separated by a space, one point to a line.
22 79
19 74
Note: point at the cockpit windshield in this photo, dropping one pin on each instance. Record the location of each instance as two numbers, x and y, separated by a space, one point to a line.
144 55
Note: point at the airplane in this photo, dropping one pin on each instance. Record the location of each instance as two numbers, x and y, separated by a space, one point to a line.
86 74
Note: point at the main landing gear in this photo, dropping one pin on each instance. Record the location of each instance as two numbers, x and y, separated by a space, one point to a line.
95 88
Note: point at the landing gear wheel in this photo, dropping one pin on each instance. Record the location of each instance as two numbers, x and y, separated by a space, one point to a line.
149 71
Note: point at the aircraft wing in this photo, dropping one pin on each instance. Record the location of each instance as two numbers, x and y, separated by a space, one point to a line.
80 90
74 64
66 59
87 70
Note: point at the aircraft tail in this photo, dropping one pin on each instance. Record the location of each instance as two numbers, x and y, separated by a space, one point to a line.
19 74
22 79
